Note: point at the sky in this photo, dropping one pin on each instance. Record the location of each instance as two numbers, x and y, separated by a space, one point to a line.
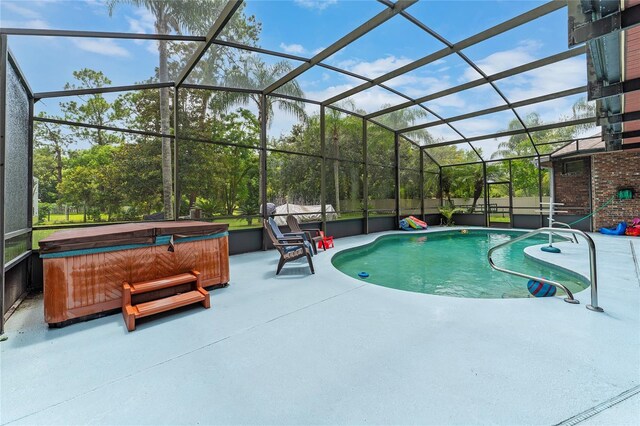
305 27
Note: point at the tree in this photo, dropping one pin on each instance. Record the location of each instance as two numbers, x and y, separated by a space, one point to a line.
525 174
196 16
254 73
401 118
91 181
44 170
520 145
52 143
215 176
92 109
49 137
334 125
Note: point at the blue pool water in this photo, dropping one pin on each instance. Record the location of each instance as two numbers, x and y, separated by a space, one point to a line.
450 263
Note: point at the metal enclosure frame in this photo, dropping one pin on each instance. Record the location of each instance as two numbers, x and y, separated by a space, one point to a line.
4 62
399 10
23 259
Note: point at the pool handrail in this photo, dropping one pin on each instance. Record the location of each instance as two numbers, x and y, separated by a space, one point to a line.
592 264
566 225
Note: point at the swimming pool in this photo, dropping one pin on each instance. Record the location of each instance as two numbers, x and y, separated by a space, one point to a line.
451 263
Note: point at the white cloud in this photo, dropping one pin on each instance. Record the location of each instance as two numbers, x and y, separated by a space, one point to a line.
293 48
105 47
30 17
417 86
479 126
443 133
503 60
315 4
375 99
20 10
374 68
152 47
328 92
31 23
143 23
95 3
562 75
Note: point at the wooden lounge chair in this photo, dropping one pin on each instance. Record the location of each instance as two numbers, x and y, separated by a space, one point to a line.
290 247
312 234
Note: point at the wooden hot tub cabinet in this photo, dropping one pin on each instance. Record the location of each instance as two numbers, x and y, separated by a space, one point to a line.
84 269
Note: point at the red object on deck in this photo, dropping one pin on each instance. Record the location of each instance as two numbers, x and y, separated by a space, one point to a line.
326 242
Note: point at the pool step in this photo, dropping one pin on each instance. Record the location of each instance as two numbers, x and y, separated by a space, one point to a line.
131 312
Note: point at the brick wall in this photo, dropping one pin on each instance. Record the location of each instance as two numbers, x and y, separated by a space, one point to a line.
572 188
610 171
632 70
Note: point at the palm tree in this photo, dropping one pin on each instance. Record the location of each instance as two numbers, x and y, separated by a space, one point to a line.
336 126
402 118
253 73
521 145
193 16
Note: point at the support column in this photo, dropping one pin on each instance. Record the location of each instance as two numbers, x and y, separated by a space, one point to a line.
263 164
486 194
422 185
510 196
365 178
30 166
397 176
440 186
540 191
176 187
323 174
3 115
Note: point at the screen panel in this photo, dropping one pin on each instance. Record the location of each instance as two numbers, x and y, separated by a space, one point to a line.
111 176
219 182
17 142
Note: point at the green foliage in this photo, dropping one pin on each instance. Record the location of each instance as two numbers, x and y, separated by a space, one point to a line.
44 210
447 212
45 166
253 73
93 109
210 207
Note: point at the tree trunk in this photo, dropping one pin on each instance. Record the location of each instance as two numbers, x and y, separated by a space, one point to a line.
477 191
167 170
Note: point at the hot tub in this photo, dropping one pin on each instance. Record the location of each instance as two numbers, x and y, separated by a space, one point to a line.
84 268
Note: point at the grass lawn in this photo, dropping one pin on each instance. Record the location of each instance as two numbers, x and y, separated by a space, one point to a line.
58 219
499 219
39 234
234 224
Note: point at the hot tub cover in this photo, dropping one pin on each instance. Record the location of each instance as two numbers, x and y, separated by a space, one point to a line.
126 234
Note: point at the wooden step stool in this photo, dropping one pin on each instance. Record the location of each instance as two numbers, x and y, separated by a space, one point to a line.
132 312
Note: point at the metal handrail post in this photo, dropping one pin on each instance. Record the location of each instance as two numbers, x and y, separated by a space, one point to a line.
592 265
594 274
566 225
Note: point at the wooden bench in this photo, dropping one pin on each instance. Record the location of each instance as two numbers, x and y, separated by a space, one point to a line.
131 312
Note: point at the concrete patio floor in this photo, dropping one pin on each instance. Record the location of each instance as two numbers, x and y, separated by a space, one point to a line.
330 349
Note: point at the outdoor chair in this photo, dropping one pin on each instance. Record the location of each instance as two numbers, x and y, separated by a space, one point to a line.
290 247
314 235
279 235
